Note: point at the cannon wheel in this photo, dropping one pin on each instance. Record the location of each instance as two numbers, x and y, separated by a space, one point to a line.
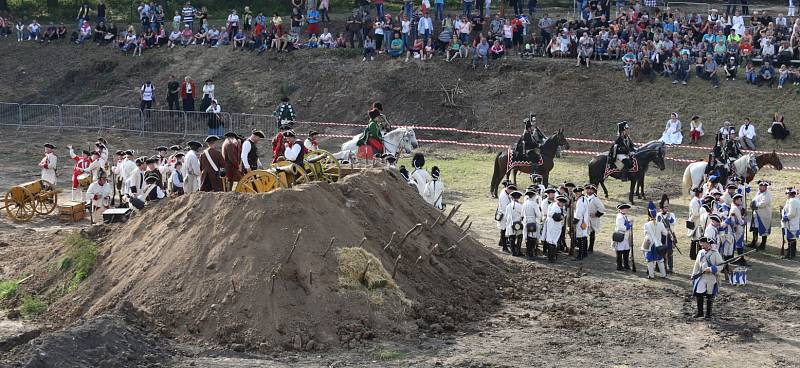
323 166
258 181
20 203
46 199
289 179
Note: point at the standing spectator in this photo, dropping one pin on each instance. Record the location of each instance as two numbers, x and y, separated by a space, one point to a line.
296 20
766 74
545 28
791 10
438 9
531 7
208 94
408 8
353 28
778 128
324 8
232 24
83 13
695 129
176 21
424 28
747 134
187 93
147 94
379 9
247 24
173 92
187 14
313 21
216 125
101 11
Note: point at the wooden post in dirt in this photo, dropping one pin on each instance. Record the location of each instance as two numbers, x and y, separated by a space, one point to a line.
463 222
394 268
329 247
390 240
403 239
294 245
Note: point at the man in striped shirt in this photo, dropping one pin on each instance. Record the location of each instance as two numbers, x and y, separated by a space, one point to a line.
188 14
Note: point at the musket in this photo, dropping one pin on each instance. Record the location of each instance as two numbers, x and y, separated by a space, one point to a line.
734 259
675 241
630 244
783 231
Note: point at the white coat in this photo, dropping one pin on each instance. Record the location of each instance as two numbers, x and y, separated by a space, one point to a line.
619 225
707 283
653 231
95 168
736 226
98 195
531 214
594 206
762 210
421 178
791 218
712 233
135 180
695 214
49 165
502 201
552 228
512 214
433 193
191 181
582 228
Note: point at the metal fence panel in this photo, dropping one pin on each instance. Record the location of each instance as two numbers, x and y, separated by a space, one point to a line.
10 114
197 123
80 116
121 118
40 115
172 122
243 124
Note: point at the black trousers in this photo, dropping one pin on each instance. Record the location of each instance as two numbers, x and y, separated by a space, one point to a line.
146 105
515 243
709 300
503 243
551 251
532 247
622 259
188 104
591 241
583 245
792 251
693 249
173 103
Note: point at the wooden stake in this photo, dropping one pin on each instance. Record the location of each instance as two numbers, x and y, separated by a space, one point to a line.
385 247
294 245
467 229
437 220
361 244
363 277
450 216
272 288
396 261
462 238
451 248
418 259
403 239
310 277
329 247
433 249
463 222
25 279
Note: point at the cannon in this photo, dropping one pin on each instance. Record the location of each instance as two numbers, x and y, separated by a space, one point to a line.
321 165
24 201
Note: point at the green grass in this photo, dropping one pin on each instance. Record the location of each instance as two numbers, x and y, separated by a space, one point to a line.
385 354
79 260
32 306
8 289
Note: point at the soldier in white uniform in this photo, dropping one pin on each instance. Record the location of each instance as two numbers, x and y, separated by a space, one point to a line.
420 175
550 198
736 226
127 169
623 225
49 164
668 219
191 182
553 225
580 220
727 197
514 223
762 214
135 181
596 209
499 216
654 232
724 239
706 286
97 166
434 190
531 218
712 231
99 196
693 222
791 221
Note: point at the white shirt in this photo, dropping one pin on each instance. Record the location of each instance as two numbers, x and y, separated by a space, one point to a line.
192 163
653 231
208 89
581 214
99 195
433 192
421 177
502 202
147 92
95 167
512 214
233 20
748 131
619 225
552 228
49 163
593 206
792 210
245 152
291 153
214 108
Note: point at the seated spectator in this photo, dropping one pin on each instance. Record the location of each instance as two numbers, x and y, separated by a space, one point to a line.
481 51
84 33
497 50
141 44
33 30
341 41
766 74
313 42
747 134
783 74
369 48
767 49
585 49
99 33
682 69
326 39
396 47
646 72
695 129
778 129
454 50
213 37
444 40
200 37
417 50
186 36
130 42
750 74
61 31
730 69
160 36
629 62
238 40
174 38
49 33
614 46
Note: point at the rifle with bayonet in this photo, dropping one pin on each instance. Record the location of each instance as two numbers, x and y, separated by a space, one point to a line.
734 259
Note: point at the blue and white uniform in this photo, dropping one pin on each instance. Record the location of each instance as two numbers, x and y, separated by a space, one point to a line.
707 283
762 212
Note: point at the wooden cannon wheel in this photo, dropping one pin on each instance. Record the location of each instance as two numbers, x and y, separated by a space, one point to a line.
289 173
20 203
322 166
46 198
258 181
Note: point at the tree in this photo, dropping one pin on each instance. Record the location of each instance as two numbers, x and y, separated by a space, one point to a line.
3 5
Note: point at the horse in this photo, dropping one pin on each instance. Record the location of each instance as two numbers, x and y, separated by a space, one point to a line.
694 173
653 151
398 139
548 152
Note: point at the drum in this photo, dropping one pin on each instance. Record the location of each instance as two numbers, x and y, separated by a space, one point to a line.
84 180
738 276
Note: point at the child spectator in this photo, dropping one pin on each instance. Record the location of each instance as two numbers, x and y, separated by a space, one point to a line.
497 50
326 39
783 74
695 129
186 36
341 42
750 74
454 50
174 38
369 48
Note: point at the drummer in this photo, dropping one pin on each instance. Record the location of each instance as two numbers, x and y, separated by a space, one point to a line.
98 164
81 162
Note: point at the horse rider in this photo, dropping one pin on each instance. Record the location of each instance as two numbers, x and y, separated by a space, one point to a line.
623 149
528 144
383 122
716 159
372 137
733 148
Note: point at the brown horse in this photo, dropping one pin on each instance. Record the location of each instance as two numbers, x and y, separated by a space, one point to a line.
762 160
548 151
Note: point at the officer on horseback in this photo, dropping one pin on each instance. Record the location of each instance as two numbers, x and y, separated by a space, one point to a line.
622 150
528 144
716 159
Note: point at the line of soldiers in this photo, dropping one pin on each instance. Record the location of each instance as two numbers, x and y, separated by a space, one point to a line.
429 185
552 215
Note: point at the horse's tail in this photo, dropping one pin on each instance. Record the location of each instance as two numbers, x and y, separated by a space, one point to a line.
497 175
687 179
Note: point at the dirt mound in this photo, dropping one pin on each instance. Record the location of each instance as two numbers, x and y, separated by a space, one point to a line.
221 267
106 341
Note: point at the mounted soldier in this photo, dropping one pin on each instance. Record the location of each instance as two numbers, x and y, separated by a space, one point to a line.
716 159
527 147
622 150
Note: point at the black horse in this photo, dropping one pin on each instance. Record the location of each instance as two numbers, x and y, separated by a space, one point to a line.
548 151
653 151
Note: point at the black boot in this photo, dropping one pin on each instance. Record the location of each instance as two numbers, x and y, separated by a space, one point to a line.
763 244
792 252
517 250
619 261
509 247
699 312
529 248
591 242
753 242
503 243
709 302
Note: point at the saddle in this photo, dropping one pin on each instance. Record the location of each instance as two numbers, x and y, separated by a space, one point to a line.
517 160
612 168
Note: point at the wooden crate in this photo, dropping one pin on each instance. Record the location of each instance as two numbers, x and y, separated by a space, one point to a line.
71 211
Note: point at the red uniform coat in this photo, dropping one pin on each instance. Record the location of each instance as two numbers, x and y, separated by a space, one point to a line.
232 154
81 163
209 181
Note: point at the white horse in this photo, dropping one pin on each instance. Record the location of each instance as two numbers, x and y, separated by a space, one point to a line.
693 175
399 139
